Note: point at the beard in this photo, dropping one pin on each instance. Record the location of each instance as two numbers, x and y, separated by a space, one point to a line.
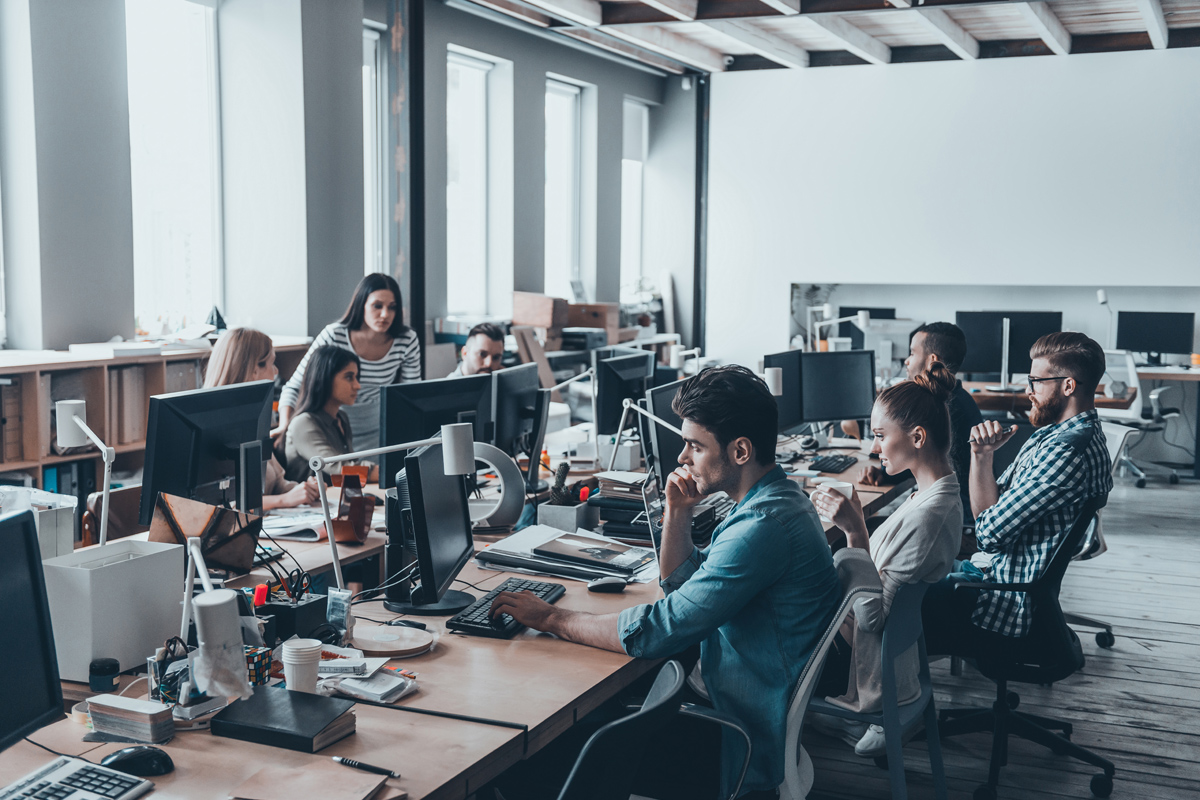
718 479
1048 411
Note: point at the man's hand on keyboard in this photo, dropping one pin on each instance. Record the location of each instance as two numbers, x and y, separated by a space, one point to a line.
526 608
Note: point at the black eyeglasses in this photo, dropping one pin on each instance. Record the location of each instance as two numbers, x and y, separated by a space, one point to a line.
1035 381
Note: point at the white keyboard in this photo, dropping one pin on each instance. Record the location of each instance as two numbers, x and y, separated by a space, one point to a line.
76 779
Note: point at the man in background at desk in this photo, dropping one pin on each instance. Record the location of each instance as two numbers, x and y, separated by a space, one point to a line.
482 353
756 600
944 342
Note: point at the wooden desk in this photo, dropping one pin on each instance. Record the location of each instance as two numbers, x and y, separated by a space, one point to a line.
1019 401
1183 376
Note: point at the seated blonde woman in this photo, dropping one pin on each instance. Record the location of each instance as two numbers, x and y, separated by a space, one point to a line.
917 544
240 356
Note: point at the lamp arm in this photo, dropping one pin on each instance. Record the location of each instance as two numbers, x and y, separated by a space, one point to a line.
627 406
590 372
194 557
109 455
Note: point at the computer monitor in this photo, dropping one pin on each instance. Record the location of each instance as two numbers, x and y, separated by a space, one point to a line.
32 694
984 331
852 331
410 412
835 386
427 523
207 445
889 340
1156 332
618 378
789 401
520 409
665 444
612 351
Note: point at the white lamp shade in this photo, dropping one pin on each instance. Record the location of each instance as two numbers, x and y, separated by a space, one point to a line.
458 448
70 434
864 319
1102 297
217 623
773 376
827 311
677 356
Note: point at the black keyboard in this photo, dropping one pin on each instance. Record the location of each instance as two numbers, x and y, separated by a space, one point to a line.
832 463
475 619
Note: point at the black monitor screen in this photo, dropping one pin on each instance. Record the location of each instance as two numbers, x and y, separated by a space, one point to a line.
984 331
789 401
984 337
515 398
1025 328
32 692
665 444
193 441
619 378
1156 331
441 523
836 386
854 333
410 412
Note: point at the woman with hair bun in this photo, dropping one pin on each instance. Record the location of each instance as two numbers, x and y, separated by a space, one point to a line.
917 544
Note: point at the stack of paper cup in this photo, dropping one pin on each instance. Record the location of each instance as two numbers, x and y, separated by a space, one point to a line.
301 659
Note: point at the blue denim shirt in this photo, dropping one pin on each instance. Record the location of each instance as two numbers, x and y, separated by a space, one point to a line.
757 599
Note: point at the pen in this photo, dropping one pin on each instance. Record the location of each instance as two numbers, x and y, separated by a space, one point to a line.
349 762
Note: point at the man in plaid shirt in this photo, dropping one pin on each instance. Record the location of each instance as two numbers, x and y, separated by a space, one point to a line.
1020 519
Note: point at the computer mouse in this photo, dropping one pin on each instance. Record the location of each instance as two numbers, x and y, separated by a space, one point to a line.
144 761
609 584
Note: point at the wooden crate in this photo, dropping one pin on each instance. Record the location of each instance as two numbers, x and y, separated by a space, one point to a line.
596 315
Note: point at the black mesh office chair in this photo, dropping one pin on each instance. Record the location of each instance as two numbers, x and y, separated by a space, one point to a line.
1049 653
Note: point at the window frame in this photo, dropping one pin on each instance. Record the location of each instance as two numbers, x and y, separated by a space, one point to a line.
377 229
577 93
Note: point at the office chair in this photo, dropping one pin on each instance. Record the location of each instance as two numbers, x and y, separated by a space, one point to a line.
1049 653
123 507
901 632
1140 417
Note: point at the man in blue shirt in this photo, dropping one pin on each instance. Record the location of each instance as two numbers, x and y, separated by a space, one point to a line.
756 599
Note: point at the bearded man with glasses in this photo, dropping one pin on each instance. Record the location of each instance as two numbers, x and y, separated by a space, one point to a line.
1021 518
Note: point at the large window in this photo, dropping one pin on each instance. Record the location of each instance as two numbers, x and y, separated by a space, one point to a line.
564 146
3 316
467 190
635 145
174 139
374 73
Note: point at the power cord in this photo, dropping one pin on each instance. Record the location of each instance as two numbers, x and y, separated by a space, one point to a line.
48 750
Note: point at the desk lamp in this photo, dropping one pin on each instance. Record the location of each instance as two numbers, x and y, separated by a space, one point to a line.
862 319
679 355
77 435
1102 299
220 666
458 458
773 377
590 372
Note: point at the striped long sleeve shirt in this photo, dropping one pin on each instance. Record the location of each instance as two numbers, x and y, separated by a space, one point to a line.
1044 489
402 364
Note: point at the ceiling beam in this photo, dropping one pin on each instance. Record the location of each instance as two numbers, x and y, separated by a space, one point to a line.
669 44
597 38
784 6
949 32
517 11
580 12
684 10
901 3
761 42
1047 25
853 39
1156 22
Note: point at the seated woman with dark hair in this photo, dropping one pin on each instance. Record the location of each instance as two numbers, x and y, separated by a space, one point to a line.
321 427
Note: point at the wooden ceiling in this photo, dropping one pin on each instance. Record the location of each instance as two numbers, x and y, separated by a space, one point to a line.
717 35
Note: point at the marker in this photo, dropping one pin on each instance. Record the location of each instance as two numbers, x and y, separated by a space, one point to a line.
1013 429
349 762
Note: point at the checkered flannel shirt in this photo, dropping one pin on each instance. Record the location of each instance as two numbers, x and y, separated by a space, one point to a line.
1044 489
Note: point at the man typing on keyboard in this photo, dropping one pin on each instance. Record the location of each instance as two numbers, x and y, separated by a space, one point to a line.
756 599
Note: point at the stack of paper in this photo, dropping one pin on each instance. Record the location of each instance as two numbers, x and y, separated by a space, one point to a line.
382 687
140 720
621 484
516 552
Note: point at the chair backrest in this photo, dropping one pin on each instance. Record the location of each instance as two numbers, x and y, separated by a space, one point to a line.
1119 365
1115 436
607 766
902 628
123 507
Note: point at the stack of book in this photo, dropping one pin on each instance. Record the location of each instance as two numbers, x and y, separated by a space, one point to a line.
540 548
140 720
622 510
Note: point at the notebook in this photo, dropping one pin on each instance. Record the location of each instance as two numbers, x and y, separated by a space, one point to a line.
611 555
278 717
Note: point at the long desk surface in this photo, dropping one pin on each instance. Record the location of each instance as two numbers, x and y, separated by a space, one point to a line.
1019 401
533 680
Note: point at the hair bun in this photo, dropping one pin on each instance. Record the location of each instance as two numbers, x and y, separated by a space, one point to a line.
938 380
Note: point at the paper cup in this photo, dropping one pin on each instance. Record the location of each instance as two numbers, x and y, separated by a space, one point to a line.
301 660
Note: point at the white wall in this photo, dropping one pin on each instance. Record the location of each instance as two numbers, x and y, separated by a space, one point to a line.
1034 171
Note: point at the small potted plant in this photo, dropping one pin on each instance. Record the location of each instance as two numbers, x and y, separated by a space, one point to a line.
567 508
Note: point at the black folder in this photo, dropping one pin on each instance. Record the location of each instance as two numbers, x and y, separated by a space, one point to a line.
281 718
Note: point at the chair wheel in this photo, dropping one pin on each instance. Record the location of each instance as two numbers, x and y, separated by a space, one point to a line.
1012 699
1174 479
881 762
1102 785
1140 483
987 792
1105 639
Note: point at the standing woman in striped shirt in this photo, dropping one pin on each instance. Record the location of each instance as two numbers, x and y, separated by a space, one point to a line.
373 329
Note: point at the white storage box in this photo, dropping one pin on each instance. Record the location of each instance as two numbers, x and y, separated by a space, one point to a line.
119 601
54 514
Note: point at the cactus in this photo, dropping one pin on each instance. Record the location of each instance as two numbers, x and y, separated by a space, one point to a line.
559 496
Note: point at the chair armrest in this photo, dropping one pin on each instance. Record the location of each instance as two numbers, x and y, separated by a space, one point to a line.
729 721
987 586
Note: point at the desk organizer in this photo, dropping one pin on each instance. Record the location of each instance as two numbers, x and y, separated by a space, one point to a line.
119 601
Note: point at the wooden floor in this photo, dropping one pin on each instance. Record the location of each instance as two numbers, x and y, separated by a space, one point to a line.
1137 704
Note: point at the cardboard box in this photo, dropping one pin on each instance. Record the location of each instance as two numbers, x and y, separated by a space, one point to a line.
596 315
119 601
539 311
